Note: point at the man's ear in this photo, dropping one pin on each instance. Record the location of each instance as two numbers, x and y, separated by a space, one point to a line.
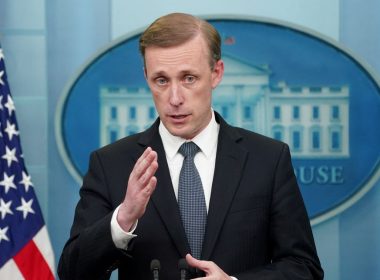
144 69
217 73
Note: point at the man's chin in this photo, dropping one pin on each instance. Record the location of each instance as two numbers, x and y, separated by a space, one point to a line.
181 132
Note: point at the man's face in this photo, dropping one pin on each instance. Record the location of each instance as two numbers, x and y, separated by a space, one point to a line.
181 81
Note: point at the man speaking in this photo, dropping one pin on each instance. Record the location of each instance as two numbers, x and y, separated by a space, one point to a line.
191 186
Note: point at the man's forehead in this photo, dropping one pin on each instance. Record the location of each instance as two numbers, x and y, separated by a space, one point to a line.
197 43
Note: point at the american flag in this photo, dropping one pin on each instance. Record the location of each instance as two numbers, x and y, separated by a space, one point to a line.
25 249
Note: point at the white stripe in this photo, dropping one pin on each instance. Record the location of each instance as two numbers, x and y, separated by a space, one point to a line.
42 241
11 271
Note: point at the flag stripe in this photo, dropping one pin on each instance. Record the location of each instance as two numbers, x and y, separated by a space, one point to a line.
28 259
42 241
10 271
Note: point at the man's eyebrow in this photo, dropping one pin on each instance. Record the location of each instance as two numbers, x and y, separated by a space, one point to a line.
158 73
181 73
187 72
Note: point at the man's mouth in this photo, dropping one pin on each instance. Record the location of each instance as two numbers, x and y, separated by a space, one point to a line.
178 116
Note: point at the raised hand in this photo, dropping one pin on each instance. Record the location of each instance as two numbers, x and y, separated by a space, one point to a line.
141 185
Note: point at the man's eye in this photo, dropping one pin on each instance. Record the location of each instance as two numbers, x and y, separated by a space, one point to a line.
189 79
161 81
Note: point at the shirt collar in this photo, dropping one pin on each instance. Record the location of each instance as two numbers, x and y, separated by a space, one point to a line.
206 140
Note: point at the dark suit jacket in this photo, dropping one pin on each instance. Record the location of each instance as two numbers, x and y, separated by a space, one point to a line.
257 225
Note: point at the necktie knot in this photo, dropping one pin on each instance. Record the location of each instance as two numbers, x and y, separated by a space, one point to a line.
188 149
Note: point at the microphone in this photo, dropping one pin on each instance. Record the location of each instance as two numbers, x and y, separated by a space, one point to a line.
155 268
183 268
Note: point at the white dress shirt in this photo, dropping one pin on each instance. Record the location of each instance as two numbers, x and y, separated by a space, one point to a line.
207 141
204 160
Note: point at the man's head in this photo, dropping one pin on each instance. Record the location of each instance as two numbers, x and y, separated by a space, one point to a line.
176 29
181 71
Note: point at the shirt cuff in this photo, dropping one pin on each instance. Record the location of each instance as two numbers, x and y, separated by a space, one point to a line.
120 237
233 278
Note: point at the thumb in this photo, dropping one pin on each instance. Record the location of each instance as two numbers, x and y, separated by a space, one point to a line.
193 262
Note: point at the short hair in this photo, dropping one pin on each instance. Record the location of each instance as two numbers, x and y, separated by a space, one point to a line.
178 28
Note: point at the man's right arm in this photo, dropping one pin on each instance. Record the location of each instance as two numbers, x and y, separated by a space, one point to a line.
90 252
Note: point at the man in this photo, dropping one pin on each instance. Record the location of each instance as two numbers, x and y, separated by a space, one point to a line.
133 206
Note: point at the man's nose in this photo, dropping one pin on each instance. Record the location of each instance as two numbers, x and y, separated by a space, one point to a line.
176 97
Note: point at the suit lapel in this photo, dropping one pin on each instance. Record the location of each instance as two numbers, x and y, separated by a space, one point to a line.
230 161
163 197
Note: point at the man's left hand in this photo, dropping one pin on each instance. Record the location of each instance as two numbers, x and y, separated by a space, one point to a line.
213 272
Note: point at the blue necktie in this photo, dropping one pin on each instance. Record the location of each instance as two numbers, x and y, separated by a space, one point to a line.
191 199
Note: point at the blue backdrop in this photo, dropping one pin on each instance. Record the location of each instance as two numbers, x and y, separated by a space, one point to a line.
46 44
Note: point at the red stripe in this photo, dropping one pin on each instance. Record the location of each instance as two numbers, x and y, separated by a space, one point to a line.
32 264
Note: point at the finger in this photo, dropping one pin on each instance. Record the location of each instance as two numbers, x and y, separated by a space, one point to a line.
147 156
148 174
143 163
209 267
144 155
140 161
191 260
202 265
151 186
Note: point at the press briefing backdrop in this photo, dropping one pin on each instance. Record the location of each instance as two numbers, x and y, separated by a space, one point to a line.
48 44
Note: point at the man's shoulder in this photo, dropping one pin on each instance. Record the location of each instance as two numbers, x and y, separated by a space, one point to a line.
259 148
251 139
247 138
